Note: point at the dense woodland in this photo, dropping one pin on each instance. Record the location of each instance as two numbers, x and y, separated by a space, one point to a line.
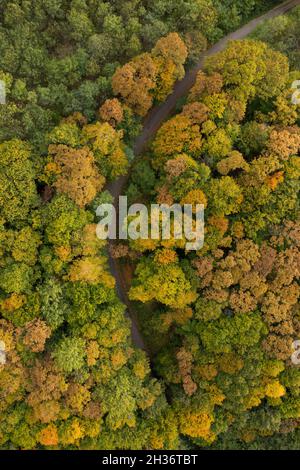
282 33
80 77
58 56
227 315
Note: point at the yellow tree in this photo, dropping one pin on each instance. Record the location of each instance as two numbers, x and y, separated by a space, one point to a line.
178 135
107 147
111 111
75 173
169 54
134 82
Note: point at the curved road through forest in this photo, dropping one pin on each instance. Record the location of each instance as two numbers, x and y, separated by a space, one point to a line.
152 123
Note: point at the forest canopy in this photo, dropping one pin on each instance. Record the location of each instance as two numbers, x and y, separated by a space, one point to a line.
219 323
57 57
226 317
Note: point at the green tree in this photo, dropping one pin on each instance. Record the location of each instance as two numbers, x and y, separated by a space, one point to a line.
18 193
69 354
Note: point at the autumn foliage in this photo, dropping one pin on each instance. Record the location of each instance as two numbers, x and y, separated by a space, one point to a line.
151 76
219 323
226 316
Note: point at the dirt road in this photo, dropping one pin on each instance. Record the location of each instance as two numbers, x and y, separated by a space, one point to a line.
154 120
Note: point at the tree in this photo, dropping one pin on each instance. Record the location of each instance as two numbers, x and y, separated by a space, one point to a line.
48 436
234 161
196 424
92 270
259 78
36 334
224 196
274 33
196 112
134 82
151 75
218 145
205 85
195 196
143 176
69 354
169 54
108 149
166 283
16 277
75 173
176 136
284 143
111 111
62 218
18 193
253 138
